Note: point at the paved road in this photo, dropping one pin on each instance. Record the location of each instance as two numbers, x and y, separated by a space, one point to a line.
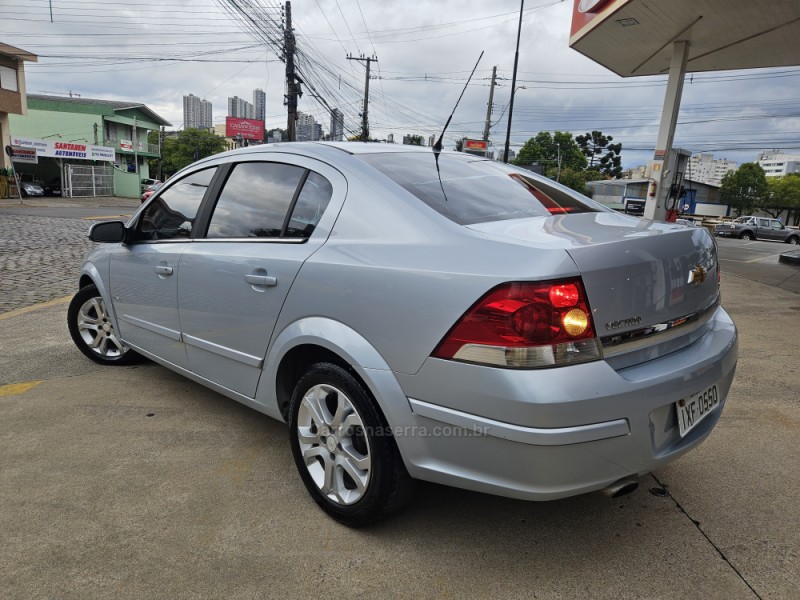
43 242
758 261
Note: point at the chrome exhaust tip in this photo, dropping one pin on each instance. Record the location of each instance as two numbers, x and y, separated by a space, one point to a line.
619 488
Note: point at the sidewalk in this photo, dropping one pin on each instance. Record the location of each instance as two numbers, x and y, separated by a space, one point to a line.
56 202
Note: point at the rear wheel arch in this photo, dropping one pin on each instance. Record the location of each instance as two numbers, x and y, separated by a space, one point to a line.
295 363
747 235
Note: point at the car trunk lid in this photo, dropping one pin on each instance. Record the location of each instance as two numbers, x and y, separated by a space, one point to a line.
641 277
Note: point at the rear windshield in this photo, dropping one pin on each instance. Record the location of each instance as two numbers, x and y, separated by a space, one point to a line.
475 190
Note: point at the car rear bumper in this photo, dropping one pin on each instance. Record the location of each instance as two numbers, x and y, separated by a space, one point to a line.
553 433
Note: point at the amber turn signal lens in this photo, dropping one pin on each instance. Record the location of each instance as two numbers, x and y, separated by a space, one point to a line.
575 322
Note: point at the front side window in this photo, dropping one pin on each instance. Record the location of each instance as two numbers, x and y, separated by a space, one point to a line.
172 214
777 225
270 200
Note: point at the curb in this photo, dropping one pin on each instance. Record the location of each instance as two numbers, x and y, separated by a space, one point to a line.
791 258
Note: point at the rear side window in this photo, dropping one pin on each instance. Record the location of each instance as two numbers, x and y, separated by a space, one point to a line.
311 203
269 200
467 190
172 214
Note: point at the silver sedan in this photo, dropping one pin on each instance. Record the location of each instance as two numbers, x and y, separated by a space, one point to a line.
416 315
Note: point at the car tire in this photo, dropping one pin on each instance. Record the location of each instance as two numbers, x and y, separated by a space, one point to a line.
93 332
343 448
747 236
794 240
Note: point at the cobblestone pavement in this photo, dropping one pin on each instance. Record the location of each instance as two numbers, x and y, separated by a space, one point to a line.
40 258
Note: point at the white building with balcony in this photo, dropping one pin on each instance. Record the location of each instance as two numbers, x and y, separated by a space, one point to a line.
777 164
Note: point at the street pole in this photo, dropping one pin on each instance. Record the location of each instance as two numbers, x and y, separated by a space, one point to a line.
291 84
364 114
489 108
513 84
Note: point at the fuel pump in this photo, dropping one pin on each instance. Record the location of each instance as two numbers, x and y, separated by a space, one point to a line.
674 173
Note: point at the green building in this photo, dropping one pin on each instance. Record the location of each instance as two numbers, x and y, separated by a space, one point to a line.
91 147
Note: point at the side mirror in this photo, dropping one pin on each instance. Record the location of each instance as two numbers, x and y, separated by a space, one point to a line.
110 231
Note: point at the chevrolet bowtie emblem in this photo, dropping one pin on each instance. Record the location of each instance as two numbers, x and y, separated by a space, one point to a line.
697 275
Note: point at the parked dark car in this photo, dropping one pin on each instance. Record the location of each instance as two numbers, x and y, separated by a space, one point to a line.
758 228
53 188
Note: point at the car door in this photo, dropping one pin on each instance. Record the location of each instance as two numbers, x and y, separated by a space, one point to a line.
233 280
776 230
144 282
763 231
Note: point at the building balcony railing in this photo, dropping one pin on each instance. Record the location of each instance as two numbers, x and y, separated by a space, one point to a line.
127 146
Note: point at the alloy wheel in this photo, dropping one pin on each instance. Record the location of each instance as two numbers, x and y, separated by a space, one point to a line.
96 330
334 444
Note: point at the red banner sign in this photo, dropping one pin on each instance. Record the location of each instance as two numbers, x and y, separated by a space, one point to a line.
249 129
475 144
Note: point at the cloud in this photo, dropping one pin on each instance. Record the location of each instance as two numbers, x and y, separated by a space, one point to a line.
157 52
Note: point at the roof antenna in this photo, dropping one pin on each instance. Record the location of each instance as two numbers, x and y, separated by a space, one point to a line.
437 147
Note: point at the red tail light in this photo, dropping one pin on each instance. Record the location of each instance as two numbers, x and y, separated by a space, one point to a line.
525 325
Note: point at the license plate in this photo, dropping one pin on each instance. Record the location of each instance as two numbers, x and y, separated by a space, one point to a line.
695 408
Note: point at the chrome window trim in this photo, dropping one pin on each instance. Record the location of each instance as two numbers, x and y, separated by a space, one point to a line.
270 240
614 345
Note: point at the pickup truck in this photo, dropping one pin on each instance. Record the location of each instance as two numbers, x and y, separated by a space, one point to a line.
758 228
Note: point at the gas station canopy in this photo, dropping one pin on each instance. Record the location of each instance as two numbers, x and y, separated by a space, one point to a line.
635 37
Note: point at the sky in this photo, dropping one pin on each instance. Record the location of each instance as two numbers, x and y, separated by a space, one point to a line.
155 52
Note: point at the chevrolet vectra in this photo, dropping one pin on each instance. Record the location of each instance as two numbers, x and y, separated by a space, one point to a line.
426 315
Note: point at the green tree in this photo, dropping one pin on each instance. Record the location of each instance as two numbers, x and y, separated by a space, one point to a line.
187 147
602 154
577 179
415 140
784 194
460 145
549 150
745 188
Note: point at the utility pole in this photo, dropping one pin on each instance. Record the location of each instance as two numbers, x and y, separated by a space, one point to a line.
291 78
364 115
489 108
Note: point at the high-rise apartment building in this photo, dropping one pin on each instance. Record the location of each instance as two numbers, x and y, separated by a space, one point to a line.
703 168
196 113
240 108
337 125
777 164
307 130
259 104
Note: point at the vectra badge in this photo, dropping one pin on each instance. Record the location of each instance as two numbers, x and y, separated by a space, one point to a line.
623 323
697 275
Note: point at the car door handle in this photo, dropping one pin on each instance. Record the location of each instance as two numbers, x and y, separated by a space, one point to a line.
264 280
162 270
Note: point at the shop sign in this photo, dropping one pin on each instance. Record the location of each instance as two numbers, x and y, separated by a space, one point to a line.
59 149
20 154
